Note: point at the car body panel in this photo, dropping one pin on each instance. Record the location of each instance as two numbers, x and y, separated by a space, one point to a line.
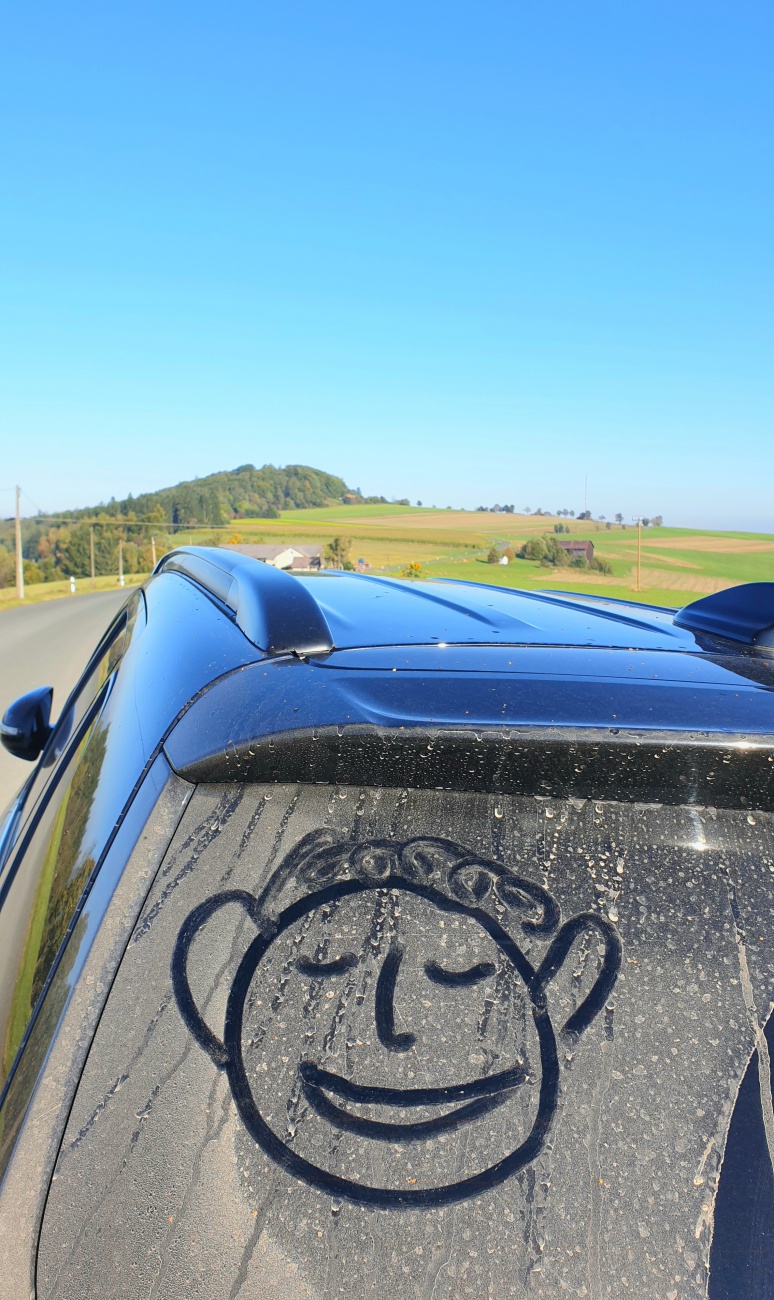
89 778
588 753
368 611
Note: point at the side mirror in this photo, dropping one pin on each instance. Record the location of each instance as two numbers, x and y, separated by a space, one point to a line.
25 727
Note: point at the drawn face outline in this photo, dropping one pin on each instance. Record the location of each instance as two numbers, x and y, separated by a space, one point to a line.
334 1184
317 856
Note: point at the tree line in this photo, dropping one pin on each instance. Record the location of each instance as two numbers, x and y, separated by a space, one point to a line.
656 521
550 554
56 547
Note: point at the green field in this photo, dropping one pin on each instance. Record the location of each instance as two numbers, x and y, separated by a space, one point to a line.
677 564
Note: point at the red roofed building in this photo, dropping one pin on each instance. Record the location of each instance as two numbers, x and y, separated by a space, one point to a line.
578 550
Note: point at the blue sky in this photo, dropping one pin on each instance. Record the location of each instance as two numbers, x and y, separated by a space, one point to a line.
461 253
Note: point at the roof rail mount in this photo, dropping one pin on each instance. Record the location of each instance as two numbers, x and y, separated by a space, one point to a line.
744 613
274 610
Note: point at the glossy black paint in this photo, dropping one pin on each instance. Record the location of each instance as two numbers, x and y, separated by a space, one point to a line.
657 728
365 611
273 610
744 613
465 686
148 681
25 727
101 665
65 971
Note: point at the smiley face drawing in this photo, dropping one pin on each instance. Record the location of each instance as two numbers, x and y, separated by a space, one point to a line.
387 1040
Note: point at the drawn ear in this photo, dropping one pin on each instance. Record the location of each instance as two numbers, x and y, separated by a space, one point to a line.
554 959
179 967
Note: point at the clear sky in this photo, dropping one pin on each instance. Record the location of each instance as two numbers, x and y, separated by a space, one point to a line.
463 253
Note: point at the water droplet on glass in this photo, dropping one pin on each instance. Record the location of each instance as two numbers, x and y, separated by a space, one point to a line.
750 819
498 810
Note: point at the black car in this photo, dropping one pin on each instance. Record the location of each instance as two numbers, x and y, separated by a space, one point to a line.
380 939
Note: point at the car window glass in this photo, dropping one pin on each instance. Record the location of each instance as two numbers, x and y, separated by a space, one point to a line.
43 882
104 660
508 1034
40 893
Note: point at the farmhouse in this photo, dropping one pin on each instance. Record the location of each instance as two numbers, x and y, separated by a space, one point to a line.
282 557
578 550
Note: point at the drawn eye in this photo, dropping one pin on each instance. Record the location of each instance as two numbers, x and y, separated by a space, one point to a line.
454 979
320 969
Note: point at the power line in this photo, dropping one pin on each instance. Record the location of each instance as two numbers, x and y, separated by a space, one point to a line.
32 503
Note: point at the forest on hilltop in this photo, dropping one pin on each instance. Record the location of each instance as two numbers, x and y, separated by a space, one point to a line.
243 493
57 546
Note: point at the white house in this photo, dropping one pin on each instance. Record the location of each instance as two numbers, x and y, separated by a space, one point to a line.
282 557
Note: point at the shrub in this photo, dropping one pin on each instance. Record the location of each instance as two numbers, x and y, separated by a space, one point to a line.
534 549
555 553
337 552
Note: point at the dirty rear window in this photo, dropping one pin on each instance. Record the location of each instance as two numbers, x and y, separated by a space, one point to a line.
388 1042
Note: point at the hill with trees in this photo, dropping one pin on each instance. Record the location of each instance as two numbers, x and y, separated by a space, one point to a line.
57 546
243 493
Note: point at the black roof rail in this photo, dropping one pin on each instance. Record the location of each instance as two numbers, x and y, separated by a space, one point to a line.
275 611
744 613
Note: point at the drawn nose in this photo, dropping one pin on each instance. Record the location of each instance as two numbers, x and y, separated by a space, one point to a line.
385 1003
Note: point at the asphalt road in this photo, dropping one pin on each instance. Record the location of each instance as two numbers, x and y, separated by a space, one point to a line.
47 644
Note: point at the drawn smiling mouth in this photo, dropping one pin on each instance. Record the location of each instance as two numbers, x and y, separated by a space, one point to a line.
480 1095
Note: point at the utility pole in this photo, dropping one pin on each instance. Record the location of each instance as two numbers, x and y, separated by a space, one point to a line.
585 494
120 562
153 553
19 556
91 555
639 542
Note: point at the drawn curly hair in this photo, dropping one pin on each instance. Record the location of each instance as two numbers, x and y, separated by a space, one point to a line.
322 858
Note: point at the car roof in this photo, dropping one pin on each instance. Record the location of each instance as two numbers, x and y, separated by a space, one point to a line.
368 611
315 614
356 674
